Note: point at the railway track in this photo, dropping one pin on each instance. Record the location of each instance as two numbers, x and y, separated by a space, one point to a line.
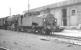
62 38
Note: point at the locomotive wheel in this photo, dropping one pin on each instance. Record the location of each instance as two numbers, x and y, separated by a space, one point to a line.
28 30
43 32
46 32
36 31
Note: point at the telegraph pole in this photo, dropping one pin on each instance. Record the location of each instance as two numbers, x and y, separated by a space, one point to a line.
28 5
10 11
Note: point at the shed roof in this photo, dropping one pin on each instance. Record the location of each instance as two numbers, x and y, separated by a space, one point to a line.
55 5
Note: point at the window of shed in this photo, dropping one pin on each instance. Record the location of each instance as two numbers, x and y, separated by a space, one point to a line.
73 12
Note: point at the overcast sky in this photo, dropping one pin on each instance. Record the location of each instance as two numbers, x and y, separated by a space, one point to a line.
18 6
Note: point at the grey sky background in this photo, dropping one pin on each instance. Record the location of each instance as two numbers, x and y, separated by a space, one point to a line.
18 6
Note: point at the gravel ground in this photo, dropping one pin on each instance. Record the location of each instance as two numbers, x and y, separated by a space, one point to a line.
25 41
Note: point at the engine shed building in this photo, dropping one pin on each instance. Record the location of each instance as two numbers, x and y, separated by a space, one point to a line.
67 13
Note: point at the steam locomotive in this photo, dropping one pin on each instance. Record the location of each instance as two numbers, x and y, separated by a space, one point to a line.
41 24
